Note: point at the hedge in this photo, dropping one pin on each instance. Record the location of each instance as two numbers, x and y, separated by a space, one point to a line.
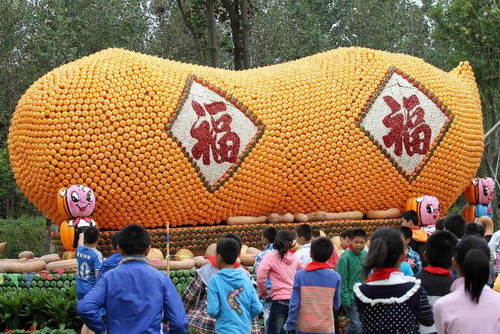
25 233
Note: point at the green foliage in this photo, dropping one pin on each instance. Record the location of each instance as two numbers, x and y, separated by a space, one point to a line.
55 311
26 233
13 204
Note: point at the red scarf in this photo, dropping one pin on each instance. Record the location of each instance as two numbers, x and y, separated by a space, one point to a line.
291 250
213 261
438 271
349 247
317 265
381 274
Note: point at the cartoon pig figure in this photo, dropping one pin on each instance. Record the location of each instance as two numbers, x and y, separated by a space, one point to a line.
486 190
428 210
77 203
81 201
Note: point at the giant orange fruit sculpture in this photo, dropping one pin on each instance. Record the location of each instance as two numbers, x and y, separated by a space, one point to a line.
157 140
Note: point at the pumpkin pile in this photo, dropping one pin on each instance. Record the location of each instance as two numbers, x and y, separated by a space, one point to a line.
197 239
321 133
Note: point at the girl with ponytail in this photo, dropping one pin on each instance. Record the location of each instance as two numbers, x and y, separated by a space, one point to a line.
472 306
389 301
280 265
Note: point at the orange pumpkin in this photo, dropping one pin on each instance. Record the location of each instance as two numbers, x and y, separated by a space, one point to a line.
67 234
469 213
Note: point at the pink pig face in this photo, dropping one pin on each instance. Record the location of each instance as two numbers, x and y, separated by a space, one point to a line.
486 190
429 209
81 201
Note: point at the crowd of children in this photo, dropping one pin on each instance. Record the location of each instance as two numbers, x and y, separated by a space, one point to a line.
400 281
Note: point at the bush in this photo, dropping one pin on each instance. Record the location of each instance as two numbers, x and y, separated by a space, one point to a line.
25 233
53 310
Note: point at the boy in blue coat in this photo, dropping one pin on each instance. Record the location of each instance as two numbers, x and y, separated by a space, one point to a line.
231 297
136 297
114 260
316 293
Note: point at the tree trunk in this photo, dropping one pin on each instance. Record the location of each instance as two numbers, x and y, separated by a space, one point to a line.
212 34
245 33
234 19
189 26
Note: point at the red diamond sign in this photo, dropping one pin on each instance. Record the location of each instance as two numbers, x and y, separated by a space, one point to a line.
405 121
214 130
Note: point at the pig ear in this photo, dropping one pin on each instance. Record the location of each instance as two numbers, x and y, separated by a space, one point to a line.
475 181
420 199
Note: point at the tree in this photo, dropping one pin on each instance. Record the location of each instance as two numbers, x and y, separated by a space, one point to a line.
472 29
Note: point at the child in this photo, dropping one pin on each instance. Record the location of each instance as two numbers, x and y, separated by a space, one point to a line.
345 238
280 266
114 260
268 237
195 296
231 297
419 236
455 224
88 261
349 267
390 302
412 257
304 237
474 229
136 296
88 264
316 293
471 307
436 278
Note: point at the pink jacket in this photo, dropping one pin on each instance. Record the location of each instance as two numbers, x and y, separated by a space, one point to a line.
455 313
281 272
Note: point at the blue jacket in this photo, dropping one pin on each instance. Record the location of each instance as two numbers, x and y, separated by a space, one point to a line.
110 263
233 301
136 298
315 294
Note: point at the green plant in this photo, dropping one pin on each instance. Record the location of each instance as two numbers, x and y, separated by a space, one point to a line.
12 308
48 308
25 233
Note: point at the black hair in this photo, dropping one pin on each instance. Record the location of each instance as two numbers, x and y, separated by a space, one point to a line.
358 233
315 232
91 235
235 237
440 224
114 240
321 249
440 248
283 242
406 232
475 229
228 249
473 257
346 234
455 224
270 233
410 215
304 230
386 248
134 240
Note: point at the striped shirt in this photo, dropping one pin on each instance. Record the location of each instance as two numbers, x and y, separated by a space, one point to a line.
315 295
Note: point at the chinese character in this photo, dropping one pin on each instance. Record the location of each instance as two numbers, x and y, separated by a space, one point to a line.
407 129
214 135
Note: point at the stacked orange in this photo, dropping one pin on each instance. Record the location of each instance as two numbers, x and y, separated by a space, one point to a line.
102 121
